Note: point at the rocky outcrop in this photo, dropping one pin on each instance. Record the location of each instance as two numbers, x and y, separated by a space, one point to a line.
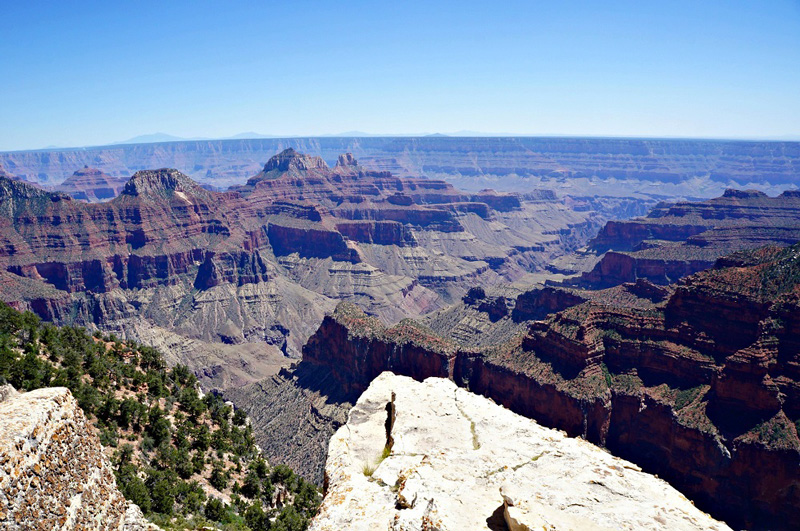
432 456
378 232
538 303
696 382
53 472
154 183
499 202
289 159
310 241
237 268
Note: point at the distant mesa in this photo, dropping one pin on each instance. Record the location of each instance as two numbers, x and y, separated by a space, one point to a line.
92 185
743 194
151 139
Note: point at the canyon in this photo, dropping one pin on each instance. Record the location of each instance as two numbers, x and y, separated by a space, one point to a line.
696 381
577 166
233 283
292 291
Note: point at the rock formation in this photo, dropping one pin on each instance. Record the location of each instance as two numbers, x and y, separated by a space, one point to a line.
429 455
53 472
697 382
92 185
674 241
193 271
689 168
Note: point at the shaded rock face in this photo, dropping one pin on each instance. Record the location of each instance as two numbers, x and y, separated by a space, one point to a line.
53 473
696 382
675 241
432 456
540 302
194 270
289 159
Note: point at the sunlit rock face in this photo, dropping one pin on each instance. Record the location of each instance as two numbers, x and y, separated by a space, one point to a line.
53 472
232 284
429 455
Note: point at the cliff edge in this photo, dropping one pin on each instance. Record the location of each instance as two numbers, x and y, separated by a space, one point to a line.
53 473
430 455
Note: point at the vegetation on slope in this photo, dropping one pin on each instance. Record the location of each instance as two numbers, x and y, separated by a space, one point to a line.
186 459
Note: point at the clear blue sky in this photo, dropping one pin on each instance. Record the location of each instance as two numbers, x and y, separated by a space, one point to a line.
81 73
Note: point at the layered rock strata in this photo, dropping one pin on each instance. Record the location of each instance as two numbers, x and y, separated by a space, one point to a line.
193 271
430 455
691 167
697 382
53 472
92 185
674 241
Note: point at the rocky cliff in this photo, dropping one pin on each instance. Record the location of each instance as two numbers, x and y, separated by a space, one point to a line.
674 241
697 382
429 455
193 271
53 472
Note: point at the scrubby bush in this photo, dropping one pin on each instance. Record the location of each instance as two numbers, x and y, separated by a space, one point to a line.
166 440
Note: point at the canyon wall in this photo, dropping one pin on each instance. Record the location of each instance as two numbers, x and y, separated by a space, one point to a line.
471 161
698 383
677 240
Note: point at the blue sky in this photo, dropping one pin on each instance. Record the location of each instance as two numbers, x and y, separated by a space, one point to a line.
86 73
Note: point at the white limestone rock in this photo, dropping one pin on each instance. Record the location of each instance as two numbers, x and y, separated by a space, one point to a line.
53 472
459 461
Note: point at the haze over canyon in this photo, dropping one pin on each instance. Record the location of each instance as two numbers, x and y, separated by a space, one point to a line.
638 294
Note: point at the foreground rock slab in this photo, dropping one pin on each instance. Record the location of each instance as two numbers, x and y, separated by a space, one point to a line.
53 473
433 456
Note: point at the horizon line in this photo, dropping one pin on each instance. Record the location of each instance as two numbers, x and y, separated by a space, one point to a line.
456 135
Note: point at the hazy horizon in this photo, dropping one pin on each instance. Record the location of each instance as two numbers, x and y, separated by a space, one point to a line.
144 139
91 74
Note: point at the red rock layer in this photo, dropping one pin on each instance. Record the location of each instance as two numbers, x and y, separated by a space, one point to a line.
702 388
674 241
92 185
